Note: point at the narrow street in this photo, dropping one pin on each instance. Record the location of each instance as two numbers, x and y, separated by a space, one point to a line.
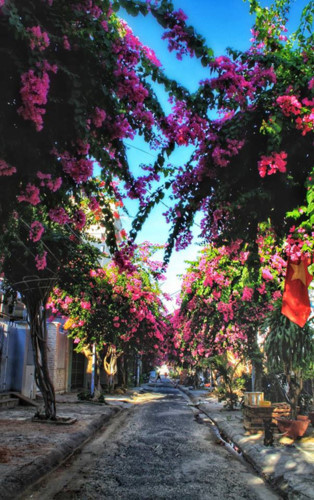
158 449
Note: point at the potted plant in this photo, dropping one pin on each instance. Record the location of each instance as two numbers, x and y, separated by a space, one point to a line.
231 385
289 348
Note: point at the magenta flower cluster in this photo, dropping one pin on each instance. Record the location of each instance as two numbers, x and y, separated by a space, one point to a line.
34 94
30 195
177 35
36 231
47 181
6 169
79 169
41 261
276 162
38 39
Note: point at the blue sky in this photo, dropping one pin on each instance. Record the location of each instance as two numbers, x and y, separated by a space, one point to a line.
224 23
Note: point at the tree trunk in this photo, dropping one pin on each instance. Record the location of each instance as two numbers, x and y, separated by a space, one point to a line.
256 358
110 365
98 368
295 383
126 369
121 373
196 379
38 332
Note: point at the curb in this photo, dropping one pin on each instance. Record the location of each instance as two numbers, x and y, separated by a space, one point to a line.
13 485
300 488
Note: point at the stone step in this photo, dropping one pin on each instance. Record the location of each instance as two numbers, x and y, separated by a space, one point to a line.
9 402
17 396
5 395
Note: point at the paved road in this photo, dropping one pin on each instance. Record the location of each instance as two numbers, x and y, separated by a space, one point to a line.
158 449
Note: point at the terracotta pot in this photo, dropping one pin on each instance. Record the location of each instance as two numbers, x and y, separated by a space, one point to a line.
311 417
302 417
293 428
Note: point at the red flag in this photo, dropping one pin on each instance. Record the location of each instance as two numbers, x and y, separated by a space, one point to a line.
295 301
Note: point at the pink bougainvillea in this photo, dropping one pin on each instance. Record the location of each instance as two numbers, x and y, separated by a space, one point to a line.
247 293
80 170
47 181
267 275
59 215
30 195
79 219
305 122
38 39
66 43
220 300
118 306
34 95
177 35
36 231
297 239
289 105
85 304
6 169
269 165
41 261
99 117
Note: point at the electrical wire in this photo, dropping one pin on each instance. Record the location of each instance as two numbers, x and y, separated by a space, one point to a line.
139 149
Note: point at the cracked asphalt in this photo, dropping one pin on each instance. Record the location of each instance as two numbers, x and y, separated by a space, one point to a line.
160 448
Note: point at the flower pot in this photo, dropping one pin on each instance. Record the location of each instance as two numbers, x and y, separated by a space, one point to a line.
311 417
293 428
302 417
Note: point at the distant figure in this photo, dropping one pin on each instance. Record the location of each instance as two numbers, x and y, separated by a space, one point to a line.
158 377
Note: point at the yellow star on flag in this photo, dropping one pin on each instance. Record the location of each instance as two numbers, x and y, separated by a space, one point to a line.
299 272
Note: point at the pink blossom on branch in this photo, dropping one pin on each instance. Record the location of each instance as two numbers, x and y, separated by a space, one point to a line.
37 229
30 195
296 240
247 293
66 43
6 169
38 39
34 93
80 170
59 215
306 122
79 219
222 155
98 117
41 262
86 305
269 165
267 275
289 105
93 204
239 81
47 181
177 36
